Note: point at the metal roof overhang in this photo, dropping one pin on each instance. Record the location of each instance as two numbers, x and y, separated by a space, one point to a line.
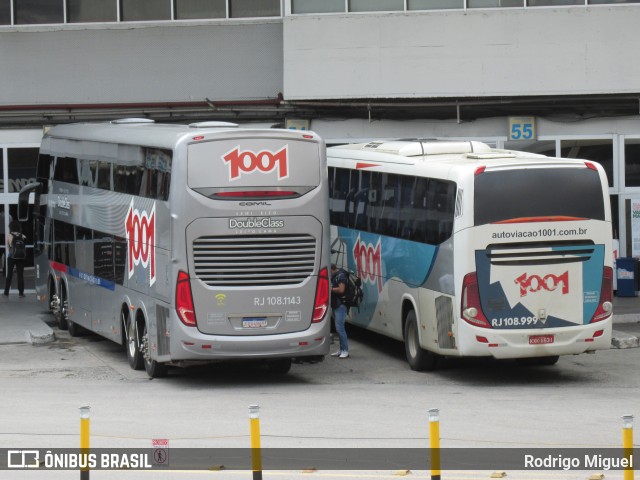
277 109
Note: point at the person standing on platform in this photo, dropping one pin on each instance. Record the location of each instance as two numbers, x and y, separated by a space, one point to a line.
339 279
16 242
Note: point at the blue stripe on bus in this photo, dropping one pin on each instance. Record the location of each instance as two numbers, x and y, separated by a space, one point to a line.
92 279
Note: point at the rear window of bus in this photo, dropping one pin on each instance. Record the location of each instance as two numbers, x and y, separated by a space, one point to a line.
538 192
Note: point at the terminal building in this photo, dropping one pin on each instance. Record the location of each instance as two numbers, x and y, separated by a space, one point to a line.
558 77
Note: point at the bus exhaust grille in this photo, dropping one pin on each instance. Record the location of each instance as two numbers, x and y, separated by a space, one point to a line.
542 253
254 261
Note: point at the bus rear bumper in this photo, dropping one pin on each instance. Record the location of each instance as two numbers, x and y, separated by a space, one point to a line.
197 346
529 343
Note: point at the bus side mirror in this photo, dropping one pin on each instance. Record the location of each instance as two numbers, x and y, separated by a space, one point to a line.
23 200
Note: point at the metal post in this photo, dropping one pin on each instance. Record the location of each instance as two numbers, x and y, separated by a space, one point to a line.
434 442
627 445
256 456
84 440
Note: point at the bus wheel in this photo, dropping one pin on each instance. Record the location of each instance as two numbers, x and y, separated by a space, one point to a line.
418 358
53 298
134 355
154 369
281 366
60 312
74 329
63 310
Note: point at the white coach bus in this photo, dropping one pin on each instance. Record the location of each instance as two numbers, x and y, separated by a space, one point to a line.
185 243
465 250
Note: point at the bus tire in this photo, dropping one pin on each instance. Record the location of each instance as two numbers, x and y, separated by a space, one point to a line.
52 297
61 313
419 359
153 368
134 355
74 329
280 366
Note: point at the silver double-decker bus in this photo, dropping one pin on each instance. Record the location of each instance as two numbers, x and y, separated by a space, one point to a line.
185 242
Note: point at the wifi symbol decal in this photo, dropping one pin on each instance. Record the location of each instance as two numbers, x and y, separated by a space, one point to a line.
221 297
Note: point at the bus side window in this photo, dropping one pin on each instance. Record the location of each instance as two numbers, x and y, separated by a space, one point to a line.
119 259
339 197
374 201
413 209
65 252
331 172
88 171
66 170
83 245
44 170
361 202
440 211
119 178
350 203
388 223
103 255
127 179
157 171
164 180
406 220
348 215
104 175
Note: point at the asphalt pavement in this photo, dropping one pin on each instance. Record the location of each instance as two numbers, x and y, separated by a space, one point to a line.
25 320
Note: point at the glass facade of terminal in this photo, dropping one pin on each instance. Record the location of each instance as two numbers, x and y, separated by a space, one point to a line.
342 6
46 12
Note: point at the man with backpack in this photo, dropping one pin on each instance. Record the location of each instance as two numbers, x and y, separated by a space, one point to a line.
17 255
339 282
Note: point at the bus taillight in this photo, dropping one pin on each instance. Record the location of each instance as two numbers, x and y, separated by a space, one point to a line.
591 166
605 306
184 300
321 304
471 309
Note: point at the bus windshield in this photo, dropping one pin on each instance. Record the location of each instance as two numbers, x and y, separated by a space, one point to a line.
538 192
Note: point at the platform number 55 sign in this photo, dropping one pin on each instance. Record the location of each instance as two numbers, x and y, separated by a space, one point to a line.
522 128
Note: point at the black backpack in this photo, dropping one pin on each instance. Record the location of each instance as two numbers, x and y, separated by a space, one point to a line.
18 246
353 295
